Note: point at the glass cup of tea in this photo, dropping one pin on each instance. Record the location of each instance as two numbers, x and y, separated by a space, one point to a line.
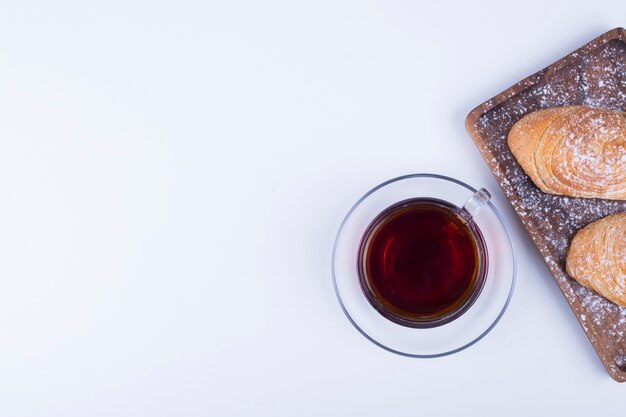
423 265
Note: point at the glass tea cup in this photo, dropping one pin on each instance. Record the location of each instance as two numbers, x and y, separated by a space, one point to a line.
422 262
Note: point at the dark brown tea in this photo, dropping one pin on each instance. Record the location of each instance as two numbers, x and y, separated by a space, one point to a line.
421 264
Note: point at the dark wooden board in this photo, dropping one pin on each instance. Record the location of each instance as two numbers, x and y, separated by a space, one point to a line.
595 75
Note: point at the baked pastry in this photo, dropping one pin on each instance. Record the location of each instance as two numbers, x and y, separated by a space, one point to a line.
577 151
597 257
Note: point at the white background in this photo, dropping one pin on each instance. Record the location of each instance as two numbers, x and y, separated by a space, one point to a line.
172 178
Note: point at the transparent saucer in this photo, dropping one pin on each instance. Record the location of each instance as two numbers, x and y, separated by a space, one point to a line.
446 339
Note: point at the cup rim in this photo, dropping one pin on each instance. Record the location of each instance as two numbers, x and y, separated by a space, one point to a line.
510 244
466 302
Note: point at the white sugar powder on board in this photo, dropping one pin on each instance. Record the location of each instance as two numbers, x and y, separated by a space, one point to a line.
599 81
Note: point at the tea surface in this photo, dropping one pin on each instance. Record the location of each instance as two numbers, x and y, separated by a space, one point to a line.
419 261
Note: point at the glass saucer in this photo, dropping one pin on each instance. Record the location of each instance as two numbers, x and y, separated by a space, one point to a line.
446 339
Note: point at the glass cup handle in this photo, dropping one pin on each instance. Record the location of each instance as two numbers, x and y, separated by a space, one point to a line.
473 205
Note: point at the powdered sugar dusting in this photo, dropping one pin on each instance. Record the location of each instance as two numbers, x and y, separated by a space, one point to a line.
601 312
595 79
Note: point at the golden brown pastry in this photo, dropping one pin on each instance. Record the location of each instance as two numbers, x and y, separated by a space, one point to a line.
577 151
597 257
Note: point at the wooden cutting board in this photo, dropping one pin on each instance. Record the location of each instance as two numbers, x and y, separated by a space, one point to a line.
594 75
